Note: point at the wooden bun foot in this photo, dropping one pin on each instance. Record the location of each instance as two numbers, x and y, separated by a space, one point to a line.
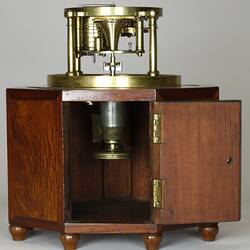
209 232
69 241
152 241
18 233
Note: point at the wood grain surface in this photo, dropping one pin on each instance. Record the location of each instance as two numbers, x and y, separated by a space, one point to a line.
114 228
85 174
69 241
200 137
185 92
35 156
52 171
152 241
141 167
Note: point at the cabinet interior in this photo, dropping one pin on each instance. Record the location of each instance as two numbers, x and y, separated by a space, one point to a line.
106 191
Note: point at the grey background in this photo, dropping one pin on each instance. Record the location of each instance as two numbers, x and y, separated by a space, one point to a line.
206 41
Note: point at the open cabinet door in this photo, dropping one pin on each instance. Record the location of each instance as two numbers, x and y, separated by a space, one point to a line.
196 158
35 159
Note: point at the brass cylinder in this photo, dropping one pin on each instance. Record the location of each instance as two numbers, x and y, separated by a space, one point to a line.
113 123
153 71
140 37
74 62
79 35
111 29
93 38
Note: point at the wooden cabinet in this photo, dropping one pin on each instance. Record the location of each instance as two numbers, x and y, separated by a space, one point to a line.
184 139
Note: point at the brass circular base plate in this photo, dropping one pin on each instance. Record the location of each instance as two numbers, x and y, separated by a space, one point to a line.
112 155
118 81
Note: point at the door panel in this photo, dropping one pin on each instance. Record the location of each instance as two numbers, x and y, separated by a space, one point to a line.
35 158
200 161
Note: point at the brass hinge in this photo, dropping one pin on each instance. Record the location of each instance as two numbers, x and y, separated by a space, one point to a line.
158 194
157 129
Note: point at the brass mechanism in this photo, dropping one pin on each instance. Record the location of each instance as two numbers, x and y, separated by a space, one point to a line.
96 31
158 194
113 121
157 127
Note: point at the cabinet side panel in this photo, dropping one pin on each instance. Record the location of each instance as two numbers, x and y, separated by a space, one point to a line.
85 174
35 157
199 139
141 171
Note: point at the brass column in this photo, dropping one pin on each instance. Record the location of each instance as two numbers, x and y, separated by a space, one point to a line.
153 71
79 35
140 36
74 61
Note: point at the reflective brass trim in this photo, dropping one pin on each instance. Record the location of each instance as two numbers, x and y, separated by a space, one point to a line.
112 155
118 81
158 129
111 11
74 62
153 71
157 194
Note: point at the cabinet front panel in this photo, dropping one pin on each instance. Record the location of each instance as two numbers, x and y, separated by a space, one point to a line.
199 161
35 159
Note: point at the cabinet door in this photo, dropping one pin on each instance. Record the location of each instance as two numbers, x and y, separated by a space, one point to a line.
198 161
35 158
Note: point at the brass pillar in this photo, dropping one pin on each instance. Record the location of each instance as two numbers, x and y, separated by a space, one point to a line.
140 37
79 35
153 71
74 61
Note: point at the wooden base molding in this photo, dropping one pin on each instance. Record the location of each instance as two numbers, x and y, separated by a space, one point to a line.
209 233
69 241
152 241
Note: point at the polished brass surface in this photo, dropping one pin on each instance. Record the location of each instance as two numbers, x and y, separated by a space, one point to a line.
74 62
153 71
129 29
118 81
140 36
157 194
92 37
158 129
112 155
96 31
112 30
103 11
79 35
109 128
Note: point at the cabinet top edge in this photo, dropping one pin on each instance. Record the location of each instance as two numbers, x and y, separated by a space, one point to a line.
63 89
184 92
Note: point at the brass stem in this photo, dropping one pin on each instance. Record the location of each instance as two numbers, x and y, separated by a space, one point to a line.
79 35
153 45
74 63
112 65
140 37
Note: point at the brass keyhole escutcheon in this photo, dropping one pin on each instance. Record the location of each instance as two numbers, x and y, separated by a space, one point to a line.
229 161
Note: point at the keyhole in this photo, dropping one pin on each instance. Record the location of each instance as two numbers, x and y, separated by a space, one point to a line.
229 161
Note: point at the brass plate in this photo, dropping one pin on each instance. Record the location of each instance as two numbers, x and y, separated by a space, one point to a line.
118 81
104 11
112 155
